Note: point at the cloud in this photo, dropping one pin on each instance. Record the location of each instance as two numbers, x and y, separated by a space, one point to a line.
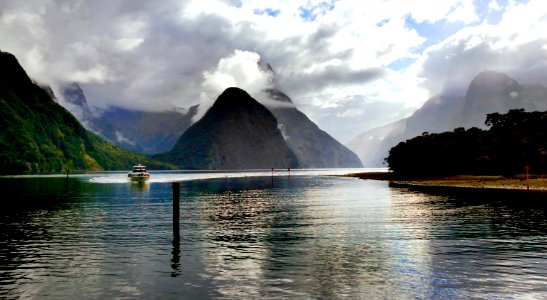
515 46
328 77
122 139
341 117
240 69
333 58
128 44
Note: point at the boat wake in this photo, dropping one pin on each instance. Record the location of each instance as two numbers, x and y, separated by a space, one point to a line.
170 176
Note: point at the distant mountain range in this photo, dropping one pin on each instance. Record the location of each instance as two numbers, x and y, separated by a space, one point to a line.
488 92
153 132
237 132
140 131
39 135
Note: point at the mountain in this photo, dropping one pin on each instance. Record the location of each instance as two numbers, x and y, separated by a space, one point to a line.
74 95
237 132
153 132
488 92
313 147
37 134
436 115
140 131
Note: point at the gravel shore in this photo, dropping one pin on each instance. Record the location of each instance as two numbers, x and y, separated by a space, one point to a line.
518 182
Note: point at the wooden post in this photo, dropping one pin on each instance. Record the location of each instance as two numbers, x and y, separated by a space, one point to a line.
527 168
527 181
175 260
176 209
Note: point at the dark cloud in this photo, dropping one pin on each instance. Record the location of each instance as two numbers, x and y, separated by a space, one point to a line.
330 76
308 51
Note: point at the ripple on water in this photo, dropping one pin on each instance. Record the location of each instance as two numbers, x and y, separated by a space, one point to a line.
263 237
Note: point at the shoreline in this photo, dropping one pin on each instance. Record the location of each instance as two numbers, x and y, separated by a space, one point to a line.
517 183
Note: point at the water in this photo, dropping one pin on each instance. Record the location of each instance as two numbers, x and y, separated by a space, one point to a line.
304 236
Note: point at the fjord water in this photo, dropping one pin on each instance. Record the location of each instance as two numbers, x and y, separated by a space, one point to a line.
249 236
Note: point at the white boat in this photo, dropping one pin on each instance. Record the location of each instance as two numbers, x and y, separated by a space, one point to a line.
138 173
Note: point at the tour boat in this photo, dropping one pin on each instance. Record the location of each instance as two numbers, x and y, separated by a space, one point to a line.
138 173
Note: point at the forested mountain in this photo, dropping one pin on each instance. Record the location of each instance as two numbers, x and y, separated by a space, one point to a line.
515 140
37 134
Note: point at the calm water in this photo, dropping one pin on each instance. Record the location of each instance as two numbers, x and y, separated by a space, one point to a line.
97 236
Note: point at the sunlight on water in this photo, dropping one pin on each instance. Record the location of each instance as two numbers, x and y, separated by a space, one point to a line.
245 236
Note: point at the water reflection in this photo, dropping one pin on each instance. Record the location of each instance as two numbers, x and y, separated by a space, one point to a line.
477 245
302 237
234 217
175 261
141 186
315 240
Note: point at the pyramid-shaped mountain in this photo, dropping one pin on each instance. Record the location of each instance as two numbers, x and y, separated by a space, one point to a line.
37 134
237 132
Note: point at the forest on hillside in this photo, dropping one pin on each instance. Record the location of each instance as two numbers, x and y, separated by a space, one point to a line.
39 135
514 142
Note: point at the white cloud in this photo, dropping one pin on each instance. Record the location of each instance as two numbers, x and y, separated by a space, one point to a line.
493 5
513 46
463 12
240 69
122 139
328 58
128 44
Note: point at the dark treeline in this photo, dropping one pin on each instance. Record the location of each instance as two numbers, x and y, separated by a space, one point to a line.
515 140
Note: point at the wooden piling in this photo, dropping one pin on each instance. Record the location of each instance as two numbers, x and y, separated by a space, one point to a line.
176 208
527 169
175 260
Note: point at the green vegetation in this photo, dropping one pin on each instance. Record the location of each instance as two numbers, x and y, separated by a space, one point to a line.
38 135
515 140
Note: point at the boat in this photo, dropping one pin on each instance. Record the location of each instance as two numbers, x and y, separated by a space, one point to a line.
138 173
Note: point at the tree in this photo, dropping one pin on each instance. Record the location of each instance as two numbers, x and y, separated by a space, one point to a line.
515 139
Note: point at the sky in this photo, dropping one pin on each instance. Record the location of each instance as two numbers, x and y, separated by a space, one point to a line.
349 65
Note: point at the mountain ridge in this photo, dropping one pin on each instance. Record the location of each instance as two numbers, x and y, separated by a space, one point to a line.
39 135
143 132
313 147
488 92
153 132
